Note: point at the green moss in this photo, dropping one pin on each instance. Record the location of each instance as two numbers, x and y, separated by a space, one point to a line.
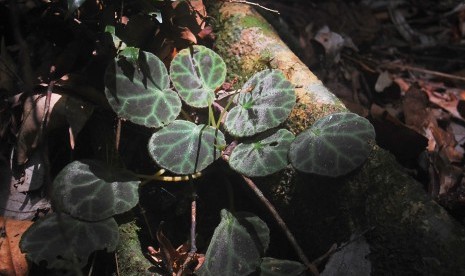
253 21
304 115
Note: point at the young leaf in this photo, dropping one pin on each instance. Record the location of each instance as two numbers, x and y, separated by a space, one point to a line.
236 246
275 267
264 155
63 241
196 75
183 147
92 191
333 146
265 102
140 92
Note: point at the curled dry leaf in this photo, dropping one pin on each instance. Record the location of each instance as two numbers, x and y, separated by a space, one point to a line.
175 260
12 261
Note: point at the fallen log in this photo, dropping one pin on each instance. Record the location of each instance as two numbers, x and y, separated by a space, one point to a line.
408 233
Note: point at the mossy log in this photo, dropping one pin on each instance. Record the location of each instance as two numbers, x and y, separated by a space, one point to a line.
410 233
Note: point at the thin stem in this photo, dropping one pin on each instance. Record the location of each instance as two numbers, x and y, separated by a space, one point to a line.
193 218
225 111
118 134
300 253
211 117
253 4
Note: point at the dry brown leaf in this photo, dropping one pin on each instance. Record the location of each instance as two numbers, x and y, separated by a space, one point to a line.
186 34
12 261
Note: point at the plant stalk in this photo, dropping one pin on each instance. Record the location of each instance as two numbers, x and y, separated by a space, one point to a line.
300 253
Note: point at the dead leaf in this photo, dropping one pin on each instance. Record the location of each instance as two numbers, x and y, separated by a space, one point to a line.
175 261
186 34
12 260
63 109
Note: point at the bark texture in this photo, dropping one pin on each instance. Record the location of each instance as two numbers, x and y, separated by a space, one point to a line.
410 234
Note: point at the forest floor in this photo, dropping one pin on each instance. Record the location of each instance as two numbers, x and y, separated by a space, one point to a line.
400 64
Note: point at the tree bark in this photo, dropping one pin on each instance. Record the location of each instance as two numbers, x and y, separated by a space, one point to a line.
410 234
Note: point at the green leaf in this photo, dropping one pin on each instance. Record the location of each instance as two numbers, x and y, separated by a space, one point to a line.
130 53
264 155
183 147
275 267
74 5
196 75
266 101
63 241
117 42
333 146
236 246
91 191
140 92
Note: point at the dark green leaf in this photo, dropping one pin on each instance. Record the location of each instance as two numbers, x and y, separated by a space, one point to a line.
236 246
140 92
264 155
92 191
196 75
333 146
63 241
265 102
275 267
183 147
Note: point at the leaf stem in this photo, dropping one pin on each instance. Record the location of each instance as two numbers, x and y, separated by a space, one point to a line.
211 117
311 267
158 176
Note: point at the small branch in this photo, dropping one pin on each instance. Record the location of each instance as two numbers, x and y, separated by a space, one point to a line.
421 70
311 267
118 134
253 4
193 249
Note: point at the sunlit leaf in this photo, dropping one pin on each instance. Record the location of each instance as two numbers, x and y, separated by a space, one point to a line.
275 267
63 241
91 191
130 53
265 101
140 92
197 74
236 246
333 146
183 147
264 155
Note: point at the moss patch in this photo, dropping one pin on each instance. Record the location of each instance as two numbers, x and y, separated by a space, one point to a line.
253 21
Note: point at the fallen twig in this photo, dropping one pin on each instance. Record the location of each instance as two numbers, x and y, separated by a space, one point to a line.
253 4
300 253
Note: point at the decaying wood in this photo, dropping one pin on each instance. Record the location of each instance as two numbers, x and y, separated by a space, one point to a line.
412 235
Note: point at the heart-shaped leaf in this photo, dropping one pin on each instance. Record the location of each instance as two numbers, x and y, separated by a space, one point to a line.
265 102
140 92
64 241
236 246
197 74
275 267
333 145
92 191
264 155
183 147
